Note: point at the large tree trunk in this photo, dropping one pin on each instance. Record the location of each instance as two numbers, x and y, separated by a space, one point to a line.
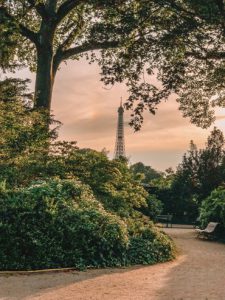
44 79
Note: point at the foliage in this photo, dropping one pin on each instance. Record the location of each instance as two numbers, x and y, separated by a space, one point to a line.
65 207
160 188
213 208
147 172
200 172
179 42
154 207
111 181
150 247
182 44
24 139
15 90
59 223
29 152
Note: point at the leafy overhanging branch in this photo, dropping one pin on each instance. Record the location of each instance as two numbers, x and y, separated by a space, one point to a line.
181 42
23 30
66 8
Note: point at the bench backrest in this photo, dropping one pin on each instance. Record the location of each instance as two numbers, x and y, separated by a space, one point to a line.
211 226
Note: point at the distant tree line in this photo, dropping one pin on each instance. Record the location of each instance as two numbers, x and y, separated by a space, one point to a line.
186 193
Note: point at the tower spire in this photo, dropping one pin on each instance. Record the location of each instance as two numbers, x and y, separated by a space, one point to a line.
120 145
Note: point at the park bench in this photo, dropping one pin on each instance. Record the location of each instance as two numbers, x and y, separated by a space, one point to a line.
208 232
166 218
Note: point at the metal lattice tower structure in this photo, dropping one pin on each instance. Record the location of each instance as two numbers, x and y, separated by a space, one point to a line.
120 144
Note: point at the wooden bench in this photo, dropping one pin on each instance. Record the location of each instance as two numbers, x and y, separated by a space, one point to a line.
166 218
208 232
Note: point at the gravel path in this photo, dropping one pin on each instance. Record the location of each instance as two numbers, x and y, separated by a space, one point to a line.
198 273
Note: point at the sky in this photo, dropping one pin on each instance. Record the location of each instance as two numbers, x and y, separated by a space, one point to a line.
88 111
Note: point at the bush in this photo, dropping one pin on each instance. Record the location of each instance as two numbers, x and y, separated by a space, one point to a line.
148 245
111 181
213 208
154 207
150 250
59 223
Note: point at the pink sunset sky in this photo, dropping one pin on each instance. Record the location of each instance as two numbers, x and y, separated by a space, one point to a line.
88 111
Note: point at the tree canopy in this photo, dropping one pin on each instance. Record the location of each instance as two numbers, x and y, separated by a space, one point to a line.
181 43
147 172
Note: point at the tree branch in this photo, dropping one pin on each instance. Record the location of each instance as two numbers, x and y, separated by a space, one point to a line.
88 47
66 8
51 5
24 31
39 7
71 36
179 8
218 55
66 54
32 36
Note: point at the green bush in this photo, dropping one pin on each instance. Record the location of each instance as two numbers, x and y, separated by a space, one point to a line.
148 245
149 250
154 207
59 223
111 181
88 216
213 208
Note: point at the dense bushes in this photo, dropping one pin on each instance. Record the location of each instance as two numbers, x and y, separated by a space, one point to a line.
154 207
146 250
213 208
61 206
59 223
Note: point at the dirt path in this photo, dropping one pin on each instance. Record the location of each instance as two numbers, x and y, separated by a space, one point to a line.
198 274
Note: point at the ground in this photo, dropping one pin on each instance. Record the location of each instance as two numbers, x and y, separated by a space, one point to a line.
198 273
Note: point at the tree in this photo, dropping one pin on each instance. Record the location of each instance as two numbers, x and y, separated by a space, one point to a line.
213 208
200 172
211 163
186 182
111 180
148 172
161 190
23 136
52 31
182 44
179 42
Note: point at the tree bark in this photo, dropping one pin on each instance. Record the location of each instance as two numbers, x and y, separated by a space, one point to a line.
45 74
44 79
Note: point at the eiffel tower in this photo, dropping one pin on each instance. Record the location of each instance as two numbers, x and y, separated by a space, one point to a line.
120 145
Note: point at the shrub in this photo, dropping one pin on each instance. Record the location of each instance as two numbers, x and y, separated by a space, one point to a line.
111 181
154 207
146 250
213 208
148 245
59 223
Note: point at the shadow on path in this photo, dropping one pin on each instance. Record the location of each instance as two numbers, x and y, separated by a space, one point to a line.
200 273
34 285
197 274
